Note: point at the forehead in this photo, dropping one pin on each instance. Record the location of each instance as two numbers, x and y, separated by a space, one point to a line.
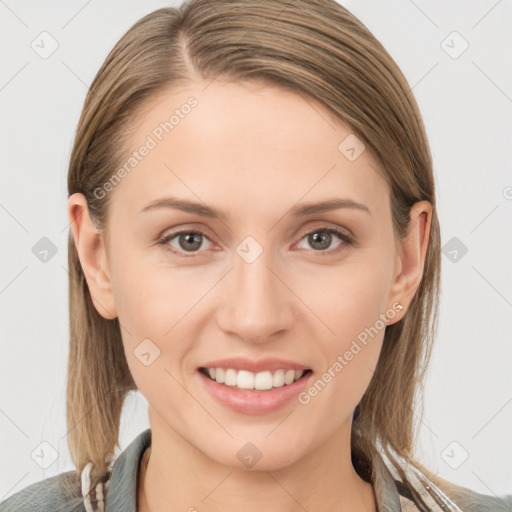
242 146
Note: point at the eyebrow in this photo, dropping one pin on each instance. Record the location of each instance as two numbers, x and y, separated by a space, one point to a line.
300 210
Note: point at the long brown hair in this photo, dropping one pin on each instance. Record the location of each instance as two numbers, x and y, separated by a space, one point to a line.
312 47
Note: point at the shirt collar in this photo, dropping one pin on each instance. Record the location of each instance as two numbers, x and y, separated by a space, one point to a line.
122 492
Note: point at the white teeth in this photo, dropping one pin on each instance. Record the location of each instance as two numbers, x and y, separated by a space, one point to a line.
278 379
220 375
263 380
245 380
260 381
230 378
288 376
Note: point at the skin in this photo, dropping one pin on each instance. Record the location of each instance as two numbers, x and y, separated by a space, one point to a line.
252 151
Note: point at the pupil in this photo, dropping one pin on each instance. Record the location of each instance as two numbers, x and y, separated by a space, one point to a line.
194 239
325 238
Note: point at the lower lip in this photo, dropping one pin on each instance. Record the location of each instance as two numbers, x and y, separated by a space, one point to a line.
252 401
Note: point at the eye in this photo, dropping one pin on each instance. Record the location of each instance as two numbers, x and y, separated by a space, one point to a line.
320 239
187 241
193 241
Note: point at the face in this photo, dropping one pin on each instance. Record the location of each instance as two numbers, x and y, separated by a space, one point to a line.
243 276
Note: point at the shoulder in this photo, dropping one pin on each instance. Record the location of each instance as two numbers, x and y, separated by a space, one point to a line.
472 501
60 493
465 499
413 489
441 490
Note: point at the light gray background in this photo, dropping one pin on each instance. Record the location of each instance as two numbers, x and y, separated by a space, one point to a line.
467 106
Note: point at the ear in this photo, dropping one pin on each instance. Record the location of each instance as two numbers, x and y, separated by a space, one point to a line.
90 246
410 259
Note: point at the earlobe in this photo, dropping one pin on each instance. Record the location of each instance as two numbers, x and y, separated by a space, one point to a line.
411 260
91 252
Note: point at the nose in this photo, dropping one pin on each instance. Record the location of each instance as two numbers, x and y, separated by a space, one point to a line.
256 303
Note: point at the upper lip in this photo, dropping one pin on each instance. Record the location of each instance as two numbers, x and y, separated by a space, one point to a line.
241 363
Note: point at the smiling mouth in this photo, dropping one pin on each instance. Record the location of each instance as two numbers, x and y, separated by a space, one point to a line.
244 380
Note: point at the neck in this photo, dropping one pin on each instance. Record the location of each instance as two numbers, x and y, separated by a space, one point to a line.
323 480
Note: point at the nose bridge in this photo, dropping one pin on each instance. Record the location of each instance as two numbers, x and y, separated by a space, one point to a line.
256 303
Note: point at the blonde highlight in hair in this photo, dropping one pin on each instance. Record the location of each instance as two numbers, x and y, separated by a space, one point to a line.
315 48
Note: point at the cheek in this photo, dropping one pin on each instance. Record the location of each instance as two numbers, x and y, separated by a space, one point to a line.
160 304
350 298
152 307
351 303
356 315
151 297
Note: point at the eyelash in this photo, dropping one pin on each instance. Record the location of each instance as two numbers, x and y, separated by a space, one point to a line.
347 241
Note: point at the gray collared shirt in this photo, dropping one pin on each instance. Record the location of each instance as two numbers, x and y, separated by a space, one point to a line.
62 493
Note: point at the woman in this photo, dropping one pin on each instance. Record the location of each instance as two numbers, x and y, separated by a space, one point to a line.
255 247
